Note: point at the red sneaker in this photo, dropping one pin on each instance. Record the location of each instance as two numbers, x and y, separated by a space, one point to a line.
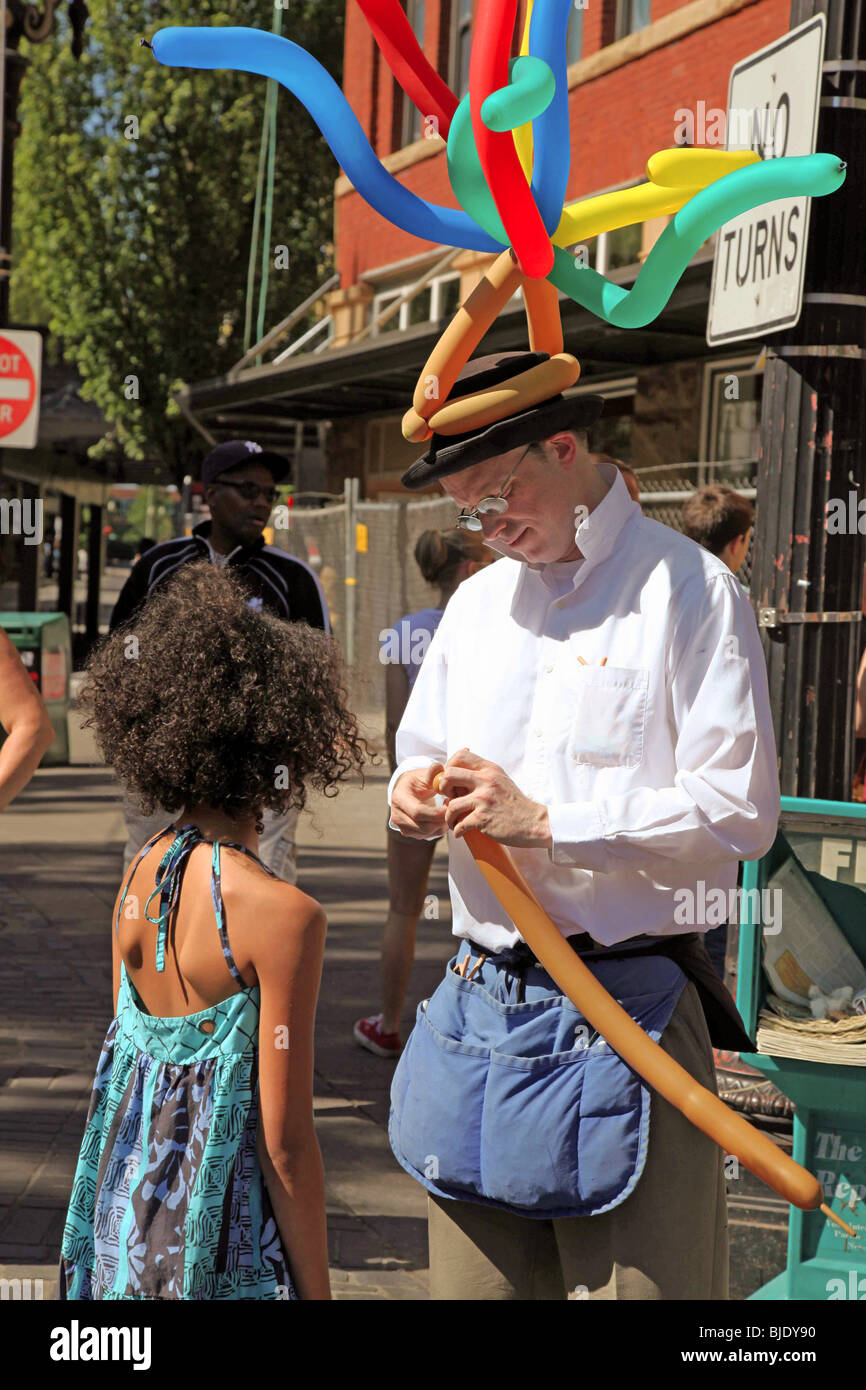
368 1032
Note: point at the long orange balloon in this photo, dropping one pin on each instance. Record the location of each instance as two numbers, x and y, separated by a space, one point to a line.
707 1112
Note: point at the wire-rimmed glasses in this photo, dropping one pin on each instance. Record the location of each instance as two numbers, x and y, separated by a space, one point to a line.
470 519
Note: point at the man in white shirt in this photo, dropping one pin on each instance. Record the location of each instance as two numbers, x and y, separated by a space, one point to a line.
598 700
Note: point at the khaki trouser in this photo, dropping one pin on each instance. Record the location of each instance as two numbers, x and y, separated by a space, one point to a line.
276 843
667 1240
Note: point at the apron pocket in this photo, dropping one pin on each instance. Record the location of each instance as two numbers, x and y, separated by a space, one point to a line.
529 1129
437 1097
562 1132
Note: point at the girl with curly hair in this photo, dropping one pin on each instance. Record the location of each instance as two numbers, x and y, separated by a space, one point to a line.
200 1175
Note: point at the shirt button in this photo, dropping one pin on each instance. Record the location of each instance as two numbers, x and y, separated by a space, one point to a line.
548 668
537 733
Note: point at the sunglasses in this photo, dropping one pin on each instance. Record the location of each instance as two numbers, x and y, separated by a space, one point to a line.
250 491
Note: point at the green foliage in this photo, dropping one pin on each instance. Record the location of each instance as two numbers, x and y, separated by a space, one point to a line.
136 249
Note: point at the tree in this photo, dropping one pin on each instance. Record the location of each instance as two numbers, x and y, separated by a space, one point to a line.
134 189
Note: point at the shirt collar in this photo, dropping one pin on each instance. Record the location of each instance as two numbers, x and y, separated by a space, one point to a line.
202 532
598 532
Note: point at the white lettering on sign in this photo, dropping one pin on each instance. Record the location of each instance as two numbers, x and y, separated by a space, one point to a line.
836 856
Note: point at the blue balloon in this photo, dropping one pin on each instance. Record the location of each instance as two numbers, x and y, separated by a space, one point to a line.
812 175
269 55
550 133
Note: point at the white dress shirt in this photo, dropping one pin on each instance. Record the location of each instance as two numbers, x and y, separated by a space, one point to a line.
658 769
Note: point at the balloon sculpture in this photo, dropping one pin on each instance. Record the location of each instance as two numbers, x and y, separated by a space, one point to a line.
508 157
509 162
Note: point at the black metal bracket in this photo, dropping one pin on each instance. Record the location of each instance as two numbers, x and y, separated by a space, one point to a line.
774 617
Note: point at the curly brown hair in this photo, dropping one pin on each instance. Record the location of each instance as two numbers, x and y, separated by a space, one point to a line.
197 698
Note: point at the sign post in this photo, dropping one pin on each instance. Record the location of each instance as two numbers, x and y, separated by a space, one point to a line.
760 258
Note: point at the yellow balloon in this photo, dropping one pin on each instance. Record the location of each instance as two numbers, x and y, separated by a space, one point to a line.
688 168
522 135
620 209
675 176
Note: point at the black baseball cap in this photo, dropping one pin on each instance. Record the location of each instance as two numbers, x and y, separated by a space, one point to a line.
236 452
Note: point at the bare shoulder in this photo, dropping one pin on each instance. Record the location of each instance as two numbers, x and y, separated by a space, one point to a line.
267 919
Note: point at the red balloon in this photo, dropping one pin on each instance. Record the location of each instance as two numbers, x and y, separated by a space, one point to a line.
419 80
488 71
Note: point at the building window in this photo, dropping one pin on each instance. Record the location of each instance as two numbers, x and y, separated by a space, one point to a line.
574 35
435 301
461 47
413 119
631 15
731 430
612 432
610 250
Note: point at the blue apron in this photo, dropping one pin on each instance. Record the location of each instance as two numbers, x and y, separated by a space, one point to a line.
505 1095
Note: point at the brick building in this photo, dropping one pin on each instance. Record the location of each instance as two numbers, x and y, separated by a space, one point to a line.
633 64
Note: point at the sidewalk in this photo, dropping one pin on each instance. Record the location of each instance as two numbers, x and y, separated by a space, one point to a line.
60 867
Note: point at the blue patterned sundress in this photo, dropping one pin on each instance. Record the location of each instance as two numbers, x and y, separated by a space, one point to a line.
168 1199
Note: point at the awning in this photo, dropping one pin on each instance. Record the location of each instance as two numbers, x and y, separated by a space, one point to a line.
378 375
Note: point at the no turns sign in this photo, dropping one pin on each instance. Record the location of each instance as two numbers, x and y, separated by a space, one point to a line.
20 371
760 260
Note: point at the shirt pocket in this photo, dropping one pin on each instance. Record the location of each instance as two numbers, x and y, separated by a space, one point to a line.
606 722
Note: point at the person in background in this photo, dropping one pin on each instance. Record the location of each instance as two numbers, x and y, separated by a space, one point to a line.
199 1174
445 558
720 520
24 718
239 480
629 476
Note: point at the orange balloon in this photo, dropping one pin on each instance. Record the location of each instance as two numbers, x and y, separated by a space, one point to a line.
542 312
464 333
509 397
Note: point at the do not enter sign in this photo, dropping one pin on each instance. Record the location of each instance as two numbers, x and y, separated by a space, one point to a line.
20 369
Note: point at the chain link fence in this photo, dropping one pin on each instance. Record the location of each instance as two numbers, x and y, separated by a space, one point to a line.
387 583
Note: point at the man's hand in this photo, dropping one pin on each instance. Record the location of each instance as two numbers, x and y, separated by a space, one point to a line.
412 808
481 796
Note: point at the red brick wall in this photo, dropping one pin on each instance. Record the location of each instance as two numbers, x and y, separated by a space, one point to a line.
617 120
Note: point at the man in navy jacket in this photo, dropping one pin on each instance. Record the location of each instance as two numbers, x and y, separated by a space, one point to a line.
239 480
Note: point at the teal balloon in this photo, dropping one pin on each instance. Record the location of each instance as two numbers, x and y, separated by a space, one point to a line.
812 175
466 175
531 88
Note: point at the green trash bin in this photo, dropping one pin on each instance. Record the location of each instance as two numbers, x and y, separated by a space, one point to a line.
44 645
819 857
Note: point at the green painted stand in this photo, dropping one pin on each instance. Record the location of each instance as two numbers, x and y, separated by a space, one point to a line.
44 642
830 1121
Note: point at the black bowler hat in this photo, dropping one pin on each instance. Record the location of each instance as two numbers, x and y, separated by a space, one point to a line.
236 452
451 453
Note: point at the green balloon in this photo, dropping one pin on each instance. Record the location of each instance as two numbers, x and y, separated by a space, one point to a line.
530 90
467 176
812 175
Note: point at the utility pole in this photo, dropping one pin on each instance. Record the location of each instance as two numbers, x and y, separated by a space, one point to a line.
807 582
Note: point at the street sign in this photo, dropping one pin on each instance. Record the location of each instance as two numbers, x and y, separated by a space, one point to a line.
20 375
773 100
